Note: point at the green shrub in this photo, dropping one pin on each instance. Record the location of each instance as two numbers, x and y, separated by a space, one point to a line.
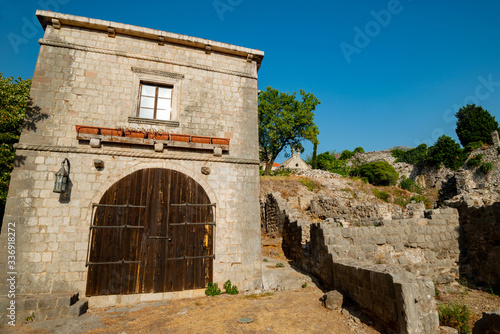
410 185
379 173
212 289
280 265
474 146
401 201
346 154
230 289
340 167
384 196
486 167
456 316
281 172
423 199
311 185
358 150
412 156
475 160
324 160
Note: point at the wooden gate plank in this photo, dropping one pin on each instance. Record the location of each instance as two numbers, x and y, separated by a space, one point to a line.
156 189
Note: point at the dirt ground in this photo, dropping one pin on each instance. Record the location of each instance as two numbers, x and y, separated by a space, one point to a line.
295 310
281 312
477 301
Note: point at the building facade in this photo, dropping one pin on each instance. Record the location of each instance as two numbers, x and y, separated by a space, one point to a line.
157 135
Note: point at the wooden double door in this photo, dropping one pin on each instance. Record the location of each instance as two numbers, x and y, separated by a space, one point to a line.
152 231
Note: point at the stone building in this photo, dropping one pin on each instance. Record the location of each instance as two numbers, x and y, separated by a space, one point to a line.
155 137
295 162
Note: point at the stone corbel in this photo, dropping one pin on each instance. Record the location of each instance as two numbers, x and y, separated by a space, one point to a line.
95 143
217 152
111 32
161 40
208 49
249 57
56 24
159 147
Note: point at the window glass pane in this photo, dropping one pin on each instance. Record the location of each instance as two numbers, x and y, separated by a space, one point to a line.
165 92
147 102
146 113
163 115
148 90
164 103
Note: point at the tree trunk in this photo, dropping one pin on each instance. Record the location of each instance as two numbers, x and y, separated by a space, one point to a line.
269 165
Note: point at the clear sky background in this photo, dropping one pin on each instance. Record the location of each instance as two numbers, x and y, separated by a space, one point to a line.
387 73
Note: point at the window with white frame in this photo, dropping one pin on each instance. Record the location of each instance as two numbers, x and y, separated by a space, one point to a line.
157 97
156 102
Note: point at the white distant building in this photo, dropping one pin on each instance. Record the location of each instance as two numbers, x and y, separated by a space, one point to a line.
295 162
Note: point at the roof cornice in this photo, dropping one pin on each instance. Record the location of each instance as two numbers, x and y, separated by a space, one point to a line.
61 20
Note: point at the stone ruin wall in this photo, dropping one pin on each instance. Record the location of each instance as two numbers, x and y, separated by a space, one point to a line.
426 245
392 295
479 262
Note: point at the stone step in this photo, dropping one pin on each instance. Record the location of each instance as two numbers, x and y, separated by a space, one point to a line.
45 307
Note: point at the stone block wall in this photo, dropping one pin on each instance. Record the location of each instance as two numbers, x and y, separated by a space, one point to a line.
479 261
427 246
275 213
392 295
360 215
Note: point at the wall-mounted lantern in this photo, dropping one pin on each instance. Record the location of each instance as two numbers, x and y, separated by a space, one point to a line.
62 176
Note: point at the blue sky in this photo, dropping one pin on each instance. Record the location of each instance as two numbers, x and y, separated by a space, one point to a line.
387 73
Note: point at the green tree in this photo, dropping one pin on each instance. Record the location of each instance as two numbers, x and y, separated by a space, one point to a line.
314 161
324 160
446 152
346 155
14 96
475 124
284 122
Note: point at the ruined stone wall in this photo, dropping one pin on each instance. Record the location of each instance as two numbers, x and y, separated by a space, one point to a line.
426 246
392 295
360 215
480 256
275 213
480 179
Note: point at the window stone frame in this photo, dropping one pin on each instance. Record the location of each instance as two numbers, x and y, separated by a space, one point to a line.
160 78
